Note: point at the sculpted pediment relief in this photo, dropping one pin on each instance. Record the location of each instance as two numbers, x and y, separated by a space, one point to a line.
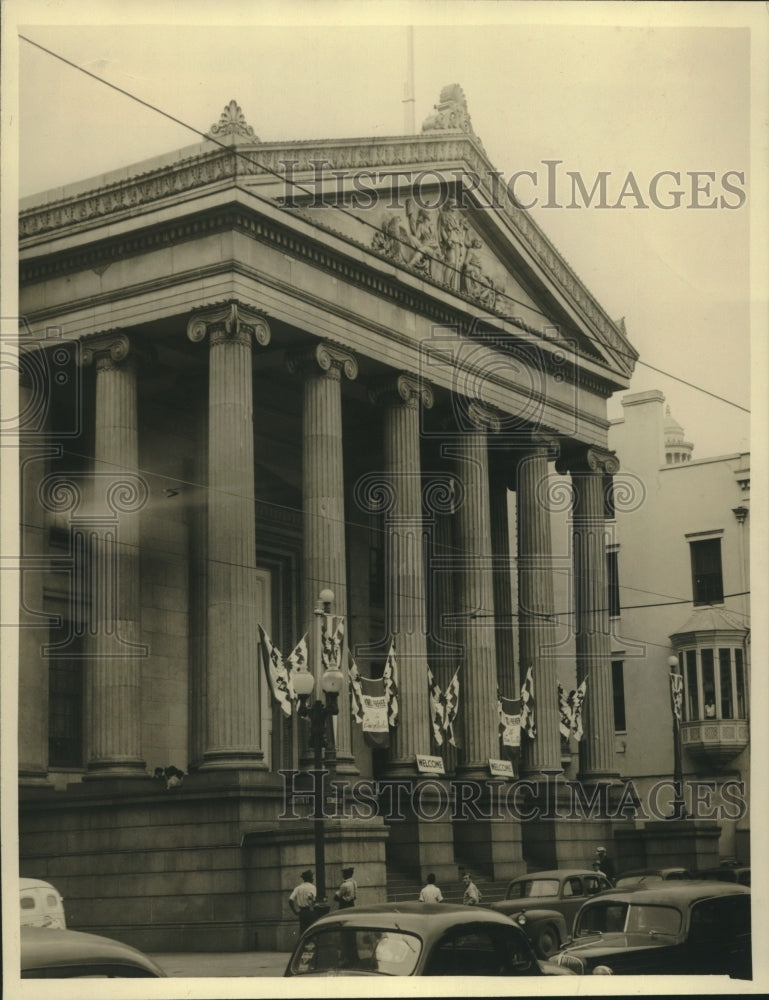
441 244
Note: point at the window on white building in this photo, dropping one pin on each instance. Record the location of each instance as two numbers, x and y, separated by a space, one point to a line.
707 580
714 683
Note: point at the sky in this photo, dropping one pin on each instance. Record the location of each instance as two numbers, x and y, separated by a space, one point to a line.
634 92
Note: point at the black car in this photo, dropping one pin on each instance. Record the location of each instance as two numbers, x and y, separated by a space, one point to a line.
684 928
416 939
54 953
646 877
545 903
726 873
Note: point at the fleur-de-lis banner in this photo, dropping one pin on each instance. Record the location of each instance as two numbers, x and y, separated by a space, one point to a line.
528 724
677 693
277 675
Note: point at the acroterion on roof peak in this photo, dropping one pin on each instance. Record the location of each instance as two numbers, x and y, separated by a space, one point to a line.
451 112
232 122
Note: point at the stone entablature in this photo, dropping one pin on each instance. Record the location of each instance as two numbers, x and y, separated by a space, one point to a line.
205 167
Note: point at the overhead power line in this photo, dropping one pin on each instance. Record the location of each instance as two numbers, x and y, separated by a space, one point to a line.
254 161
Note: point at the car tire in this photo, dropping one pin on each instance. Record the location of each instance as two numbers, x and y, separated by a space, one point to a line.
547 942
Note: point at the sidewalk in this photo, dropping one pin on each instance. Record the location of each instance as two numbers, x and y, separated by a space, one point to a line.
223 964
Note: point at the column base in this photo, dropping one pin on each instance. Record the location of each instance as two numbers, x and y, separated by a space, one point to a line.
127 767
226 760
29 778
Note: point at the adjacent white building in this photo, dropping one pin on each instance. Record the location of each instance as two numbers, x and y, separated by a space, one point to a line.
679 587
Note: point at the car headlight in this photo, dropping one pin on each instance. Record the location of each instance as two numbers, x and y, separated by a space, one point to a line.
521 918
602 970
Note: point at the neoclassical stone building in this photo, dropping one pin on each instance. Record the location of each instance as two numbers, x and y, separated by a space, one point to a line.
251 371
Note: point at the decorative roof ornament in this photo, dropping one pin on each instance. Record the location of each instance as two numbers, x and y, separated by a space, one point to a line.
451 112
232 121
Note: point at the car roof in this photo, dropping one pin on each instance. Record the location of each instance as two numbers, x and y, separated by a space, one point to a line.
651 871
556 873
35 883
49 947
683 892
410 916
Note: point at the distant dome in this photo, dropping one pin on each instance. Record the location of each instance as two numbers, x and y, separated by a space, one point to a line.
677 450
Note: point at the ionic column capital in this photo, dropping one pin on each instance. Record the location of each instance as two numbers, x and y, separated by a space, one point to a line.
586 461
111 349
402 389
323 358
234 322
483 418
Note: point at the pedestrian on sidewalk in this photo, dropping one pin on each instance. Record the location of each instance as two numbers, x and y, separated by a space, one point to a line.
430 892
302 900
472 895
348 890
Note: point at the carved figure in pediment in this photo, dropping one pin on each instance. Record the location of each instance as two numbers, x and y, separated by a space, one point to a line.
413 245
455 238
477 284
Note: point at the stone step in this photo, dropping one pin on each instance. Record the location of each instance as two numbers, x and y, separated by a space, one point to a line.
401 887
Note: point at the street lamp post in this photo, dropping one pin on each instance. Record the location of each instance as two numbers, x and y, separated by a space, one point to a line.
676 708
320 719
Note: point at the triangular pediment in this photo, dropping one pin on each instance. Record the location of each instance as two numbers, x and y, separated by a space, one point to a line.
392 197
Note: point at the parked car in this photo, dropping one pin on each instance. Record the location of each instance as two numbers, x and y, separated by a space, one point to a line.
726 873
41 904
650 876
542 897
416 939
683 928
53 953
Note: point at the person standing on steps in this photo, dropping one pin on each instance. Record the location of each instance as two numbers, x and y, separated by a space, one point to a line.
430 892
472 896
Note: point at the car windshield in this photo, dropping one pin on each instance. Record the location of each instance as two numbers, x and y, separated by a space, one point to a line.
533 887
345 950
613 917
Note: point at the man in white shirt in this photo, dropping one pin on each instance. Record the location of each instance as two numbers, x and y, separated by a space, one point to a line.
430 892
302 900
472 895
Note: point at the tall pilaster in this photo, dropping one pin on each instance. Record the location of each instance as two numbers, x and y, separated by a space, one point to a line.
322 368
475 596
591 472
33 634
113 677
405 570
537 604
233 727
502 577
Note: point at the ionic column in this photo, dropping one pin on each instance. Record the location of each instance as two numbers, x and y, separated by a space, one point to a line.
536 602
34 458
322 368
404 548
475 597
590 475
113 669
233 728
502 578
